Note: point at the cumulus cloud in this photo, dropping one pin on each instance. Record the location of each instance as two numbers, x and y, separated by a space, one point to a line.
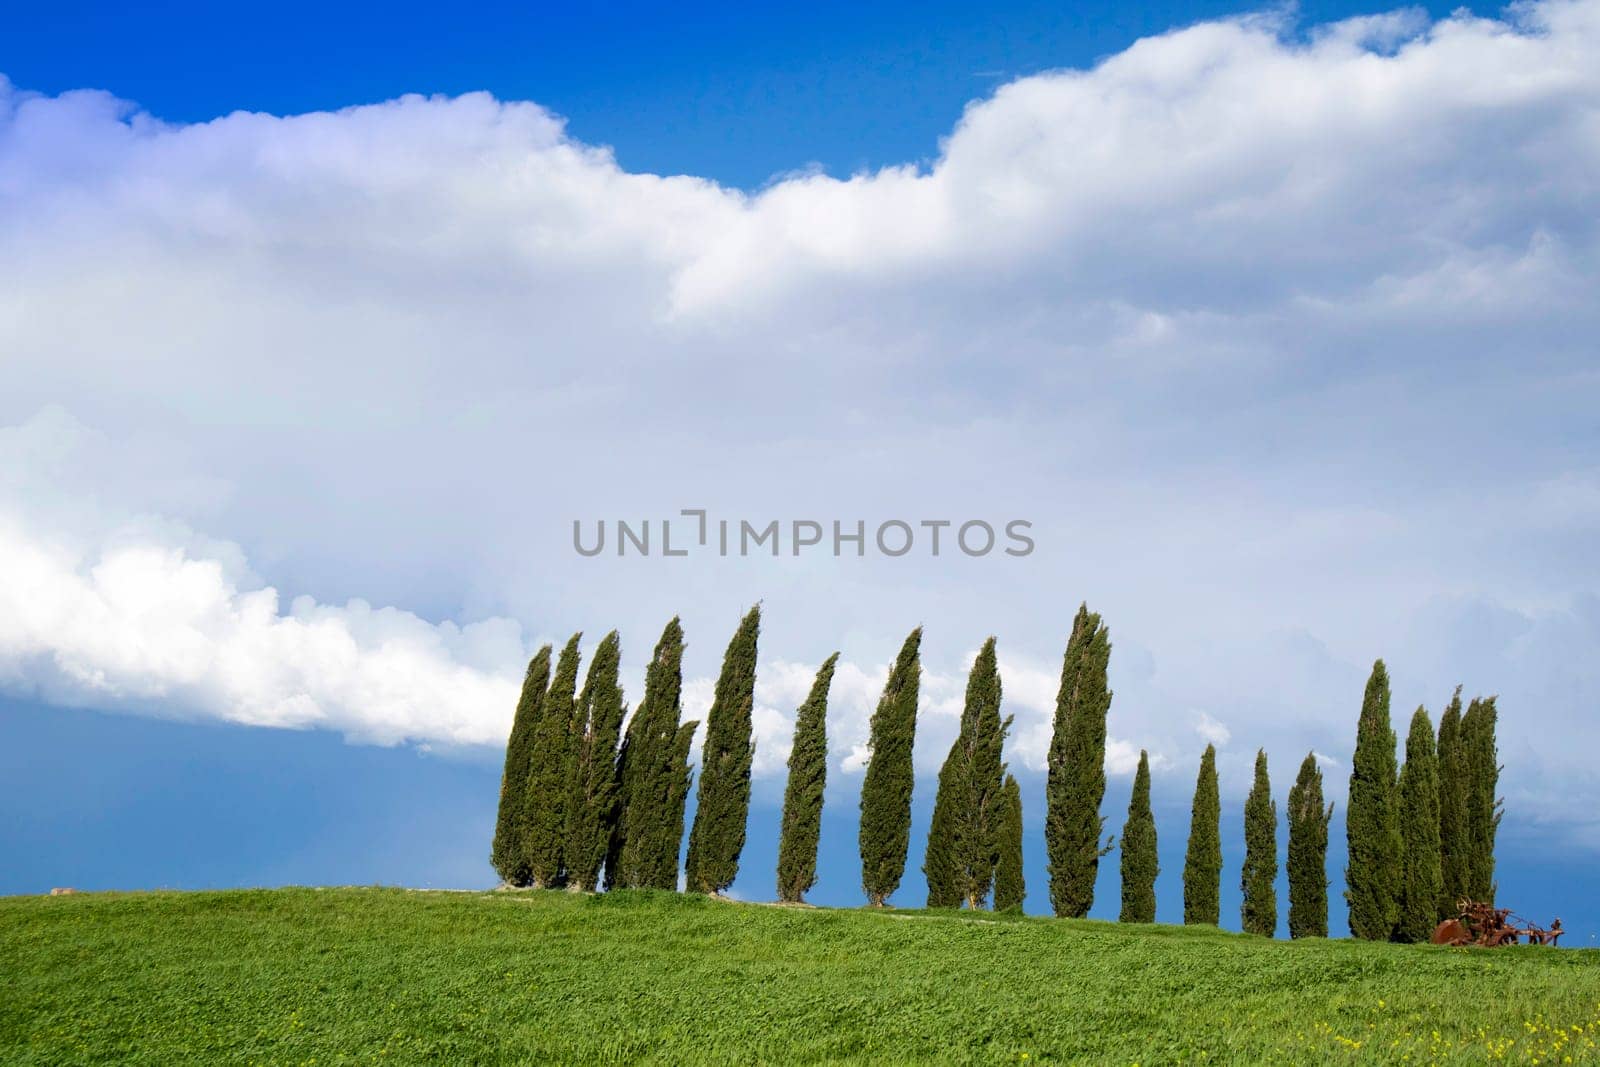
1281 336
1210 730
138 612
108 608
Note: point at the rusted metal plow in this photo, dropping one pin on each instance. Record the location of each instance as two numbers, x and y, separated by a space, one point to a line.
1485 925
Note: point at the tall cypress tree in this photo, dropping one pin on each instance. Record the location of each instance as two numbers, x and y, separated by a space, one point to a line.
1139 865
1077 773
723 807
1308 853
1202 864
592 785
963 845
802 798
1483 806
1259 912
654 768
1372 820
506 854
1421 873
1009 886
544 814
886 789
1455 848
939 862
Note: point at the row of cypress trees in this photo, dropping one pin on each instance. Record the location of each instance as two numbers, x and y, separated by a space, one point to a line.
975 837
1421 836
576 798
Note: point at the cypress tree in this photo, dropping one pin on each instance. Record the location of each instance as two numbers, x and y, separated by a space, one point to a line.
962 842
1139 865
1455 849
1372 821
723 807
939 863
592 786
886 788
1259 912
802 798
506 854
1421 873
1308 853
1483 807
1009 887
549 769
654 768
1202 864
1077 774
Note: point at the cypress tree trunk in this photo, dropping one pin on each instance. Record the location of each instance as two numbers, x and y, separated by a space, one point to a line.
1421 873
1077 775
1308 853
1372 822
802 798
723 808
963 843
1483 807
655 774
886 789
1202 864
1009 887
1139 865
507 852
1455 848
549 771
1259 912
592 787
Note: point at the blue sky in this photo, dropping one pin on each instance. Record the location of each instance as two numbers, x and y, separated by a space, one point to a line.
1278 328
735 92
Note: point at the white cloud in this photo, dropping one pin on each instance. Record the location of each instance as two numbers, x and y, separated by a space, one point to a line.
1210 729
1284 341
142 613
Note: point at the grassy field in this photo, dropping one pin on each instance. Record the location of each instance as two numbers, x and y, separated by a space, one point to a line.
383 975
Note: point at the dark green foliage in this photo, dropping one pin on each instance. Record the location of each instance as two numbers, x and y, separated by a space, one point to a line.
544 817
1308 853
1259 912
1139 866
1421 876
1483 807
1077 773
963 846
802 799
1372 820
592 786
506 854
939 863
1009 887
723 804
1202 864
886 789
1455 847
654 771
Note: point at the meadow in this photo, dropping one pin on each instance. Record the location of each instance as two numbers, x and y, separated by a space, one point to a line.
327 976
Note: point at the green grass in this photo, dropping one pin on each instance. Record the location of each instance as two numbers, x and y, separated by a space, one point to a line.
380 975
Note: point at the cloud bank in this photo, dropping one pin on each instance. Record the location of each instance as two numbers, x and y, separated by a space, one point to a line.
112 609
1282 337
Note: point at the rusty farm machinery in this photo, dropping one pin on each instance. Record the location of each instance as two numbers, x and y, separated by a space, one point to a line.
1477 923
